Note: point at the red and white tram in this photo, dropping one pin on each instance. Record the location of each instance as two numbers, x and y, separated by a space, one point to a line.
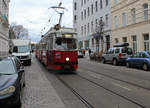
58 49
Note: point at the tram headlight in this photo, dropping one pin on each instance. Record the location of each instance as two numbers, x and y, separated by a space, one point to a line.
67 59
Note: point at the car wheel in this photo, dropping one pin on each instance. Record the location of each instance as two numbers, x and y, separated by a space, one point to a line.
103 61
128 65
145 67
24 84
115 62
29 62
19 103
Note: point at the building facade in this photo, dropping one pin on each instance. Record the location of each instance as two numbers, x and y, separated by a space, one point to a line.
4 28
131 23
87 15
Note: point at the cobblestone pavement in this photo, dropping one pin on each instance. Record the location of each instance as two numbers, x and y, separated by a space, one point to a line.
39 92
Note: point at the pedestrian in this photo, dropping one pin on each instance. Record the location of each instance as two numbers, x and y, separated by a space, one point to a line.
83 51
89 52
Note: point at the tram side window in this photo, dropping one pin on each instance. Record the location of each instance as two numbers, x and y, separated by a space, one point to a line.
51 43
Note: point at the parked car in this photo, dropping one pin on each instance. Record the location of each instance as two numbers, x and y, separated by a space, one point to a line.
12 81
139 59
118 54
80 54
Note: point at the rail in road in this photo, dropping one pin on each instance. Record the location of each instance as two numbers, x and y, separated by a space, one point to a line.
112 77
132 101
81 98
86 102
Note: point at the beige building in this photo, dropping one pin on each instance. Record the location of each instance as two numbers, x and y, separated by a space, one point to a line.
131 23
4 28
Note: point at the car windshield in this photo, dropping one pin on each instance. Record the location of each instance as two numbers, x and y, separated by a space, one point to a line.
66 44
148 52
6 67
21 49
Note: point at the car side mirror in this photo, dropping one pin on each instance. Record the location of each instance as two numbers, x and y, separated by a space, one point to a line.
10 52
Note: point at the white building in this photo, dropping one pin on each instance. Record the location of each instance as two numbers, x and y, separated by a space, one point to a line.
87 14
4 27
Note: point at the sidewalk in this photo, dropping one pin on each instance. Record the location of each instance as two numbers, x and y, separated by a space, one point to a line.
39 92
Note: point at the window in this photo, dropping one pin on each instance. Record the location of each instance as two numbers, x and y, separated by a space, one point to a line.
124 39
75 19
92 26
96 8
106 18
117 50
75 6
84 1
82 15
82 30
7 67
146 42
107 2
124 19
133 15
92 42
96 23
145 6
101 4
101 18
92 8
116 40
116 22
88 27
81 2
85 13
88 11
112 51
134 43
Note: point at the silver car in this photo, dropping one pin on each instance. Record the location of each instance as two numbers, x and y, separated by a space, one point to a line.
118 54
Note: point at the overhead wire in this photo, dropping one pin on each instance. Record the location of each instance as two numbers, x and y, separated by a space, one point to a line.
49 20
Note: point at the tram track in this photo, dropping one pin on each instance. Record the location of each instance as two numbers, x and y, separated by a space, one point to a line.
117 79
126 98
99 85
82 99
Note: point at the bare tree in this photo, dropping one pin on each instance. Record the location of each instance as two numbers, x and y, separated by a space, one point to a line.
100 36
19 30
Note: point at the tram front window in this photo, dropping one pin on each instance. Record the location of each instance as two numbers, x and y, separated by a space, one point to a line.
65 44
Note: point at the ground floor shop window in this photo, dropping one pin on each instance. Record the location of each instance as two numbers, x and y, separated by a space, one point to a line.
146 42
86 43
92 43
107 42
134 43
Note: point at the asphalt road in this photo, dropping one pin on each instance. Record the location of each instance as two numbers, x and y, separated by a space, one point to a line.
95 85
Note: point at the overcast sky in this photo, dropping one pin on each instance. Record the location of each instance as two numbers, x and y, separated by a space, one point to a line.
34 15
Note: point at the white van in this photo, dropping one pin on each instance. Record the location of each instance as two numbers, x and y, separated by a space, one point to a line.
21 48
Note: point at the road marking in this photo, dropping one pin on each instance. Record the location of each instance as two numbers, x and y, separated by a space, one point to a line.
118 85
